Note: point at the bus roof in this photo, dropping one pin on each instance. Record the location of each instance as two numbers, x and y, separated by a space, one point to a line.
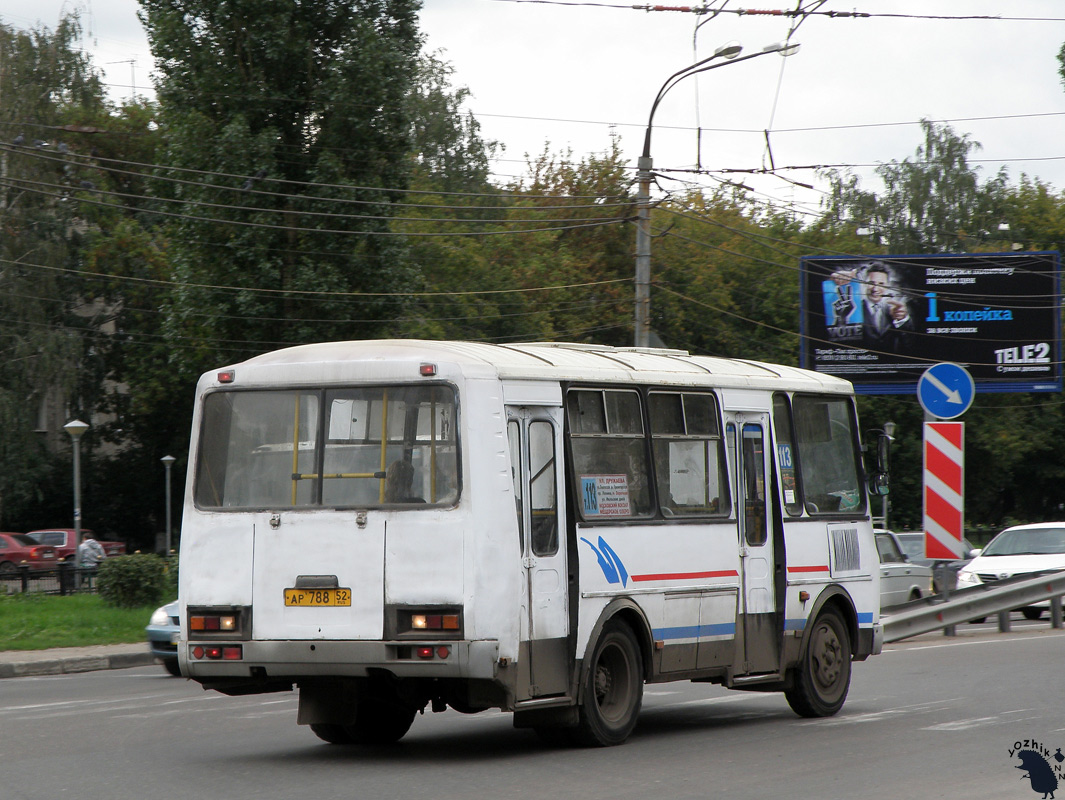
332 362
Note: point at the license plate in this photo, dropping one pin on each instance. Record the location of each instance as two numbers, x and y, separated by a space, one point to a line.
317 597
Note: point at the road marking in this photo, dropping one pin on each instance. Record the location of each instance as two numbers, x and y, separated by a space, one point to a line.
967 724
893 649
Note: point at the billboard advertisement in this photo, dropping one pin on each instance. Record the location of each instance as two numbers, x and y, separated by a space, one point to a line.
881 321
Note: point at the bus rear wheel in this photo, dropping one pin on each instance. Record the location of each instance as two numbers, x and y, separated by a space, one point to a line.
334 734
613 689
823 678
377 722
380 722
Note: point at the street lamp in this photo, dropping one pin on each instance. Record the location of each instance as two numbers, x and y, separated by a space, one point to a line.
644 173
889 431
76 428
168 462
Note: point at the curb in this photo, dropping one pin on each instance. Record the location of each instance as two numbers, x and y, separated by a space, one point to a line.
61 666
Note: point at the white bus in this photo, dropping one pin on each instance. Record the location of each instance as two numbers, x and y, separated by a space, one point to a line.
539 528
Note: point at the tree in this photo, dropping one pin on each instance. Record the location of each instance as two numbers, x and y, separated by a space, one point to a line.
49 86
932 204
287 147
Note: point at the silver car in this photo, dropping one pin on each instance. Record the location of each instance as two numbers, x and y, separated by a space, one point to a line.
163 632
901 580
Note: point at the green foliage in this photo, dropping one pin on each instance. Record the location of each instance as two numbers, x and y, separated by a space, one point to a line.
47 83
317 178
170 577
935 203
132 581
292 116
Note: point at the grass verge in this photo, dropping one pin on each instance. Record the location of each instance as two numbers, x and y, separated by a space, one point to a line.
38 622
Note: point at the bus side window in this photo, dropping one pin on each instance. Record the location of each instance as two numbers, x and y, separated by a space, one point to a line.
542 494
610 469
786 456
689 454
514 440
753 462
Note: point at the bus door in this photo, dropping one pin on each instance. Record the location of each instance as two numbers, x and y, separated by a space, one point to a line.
747 435
534 435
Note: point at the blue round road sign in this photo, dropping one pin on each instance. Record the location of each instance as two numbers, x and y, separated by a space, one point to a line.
946 390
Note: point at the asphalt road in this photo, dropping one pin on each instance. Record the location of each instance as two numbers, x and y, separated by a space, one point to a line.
931 717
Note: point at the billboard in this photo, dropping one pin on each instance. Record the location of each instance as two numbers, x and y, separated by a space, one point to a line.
880 321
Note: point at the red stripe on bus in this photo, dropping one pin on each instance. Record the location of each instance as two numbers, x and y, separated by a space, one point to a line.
823 568
676 576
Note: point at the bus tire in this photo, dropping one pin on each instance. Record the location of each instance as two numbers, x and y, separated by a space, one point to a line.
613 689
379 722
823 678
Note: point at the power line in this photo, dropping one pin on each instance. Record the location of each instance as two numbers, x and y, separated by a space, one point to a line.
13 184
797 12
309 292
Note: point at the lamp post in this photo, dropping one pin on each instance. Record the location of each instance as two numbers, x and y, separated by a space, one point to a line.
76 428
644 173
889 431
168 462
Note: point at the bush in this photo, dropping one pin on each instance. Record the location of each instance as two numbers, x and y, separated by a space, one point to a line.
171 580
132 581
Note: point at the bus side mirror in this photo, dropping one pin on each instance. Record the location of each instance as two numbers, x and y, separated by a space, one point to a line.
883 451
879 480
878 484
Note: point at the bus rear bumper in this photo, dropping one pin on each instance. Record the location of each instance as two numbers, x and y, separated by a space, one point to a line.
294 660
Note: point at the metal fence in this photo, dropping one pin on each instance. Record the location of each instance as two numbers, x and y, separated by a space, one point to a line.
65 578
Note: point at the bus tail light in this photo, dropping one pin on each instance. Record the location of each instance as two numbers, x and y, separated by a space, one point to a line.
219 622
212 622
217 652
425 622
434 622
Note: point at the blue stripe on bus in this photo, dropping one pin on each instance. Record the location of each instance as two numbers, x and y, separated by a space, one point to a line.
729 628
695 631
800 623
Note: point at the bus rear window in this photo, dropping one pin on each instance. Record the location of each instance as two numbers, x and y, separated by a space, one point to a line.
367 446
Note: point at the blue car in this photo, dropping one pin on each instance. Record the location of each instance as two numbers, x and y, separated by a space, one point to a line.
164 629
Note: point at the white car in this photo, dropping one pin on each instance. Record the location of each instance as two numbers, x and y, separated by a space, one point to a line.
1020 550
901 580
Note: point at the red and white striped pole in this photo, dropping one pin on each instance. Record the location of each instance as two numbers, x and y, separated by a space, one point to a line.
944 489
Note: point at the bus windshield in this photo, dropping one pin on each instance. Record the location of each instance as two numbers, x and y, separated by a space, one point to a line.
362 447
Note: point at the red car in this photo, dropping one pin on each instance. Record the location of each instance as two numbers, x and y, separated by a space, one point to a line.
65 542
18 547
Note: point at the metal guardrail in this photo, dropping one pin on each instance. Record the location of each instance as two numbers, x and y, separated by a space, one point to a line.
941 612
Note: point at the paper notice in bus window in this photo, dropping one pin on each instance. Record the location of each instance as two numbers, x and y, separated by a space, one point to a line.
605 495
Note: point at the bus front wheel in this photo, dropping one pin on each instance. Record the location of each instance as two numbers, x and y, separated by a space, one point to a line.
823 678
613 689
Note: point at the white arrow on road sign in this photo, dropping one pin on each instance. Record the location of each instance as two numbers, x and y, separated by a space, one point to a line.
953 395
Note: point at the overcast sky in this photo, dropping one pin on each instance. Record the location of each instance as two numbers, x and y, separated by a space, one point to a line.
571 75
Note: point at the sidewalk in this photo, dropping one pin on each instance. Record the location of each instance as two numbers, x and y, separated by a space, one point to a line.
24 663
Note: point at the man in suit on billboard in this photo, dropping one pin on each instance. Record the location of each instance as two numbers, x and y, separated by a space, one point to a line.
887 324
